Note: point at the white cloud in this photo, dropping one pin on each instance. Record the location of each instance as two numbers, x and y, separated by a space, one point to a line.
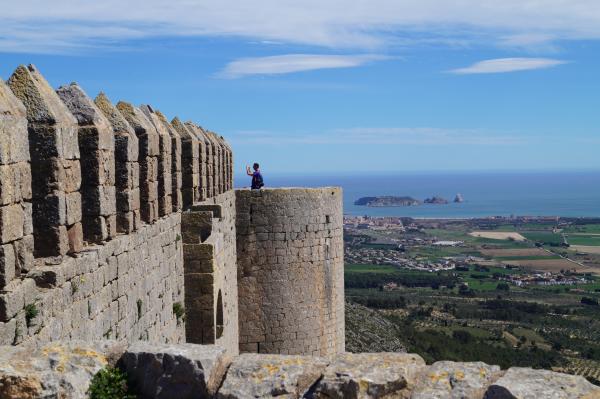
364 24
289 63
502 65
379 136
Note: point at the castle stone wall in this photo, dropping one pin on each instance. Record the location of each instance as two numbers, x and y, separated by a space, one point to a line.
123 289
290 271
90 220
210 263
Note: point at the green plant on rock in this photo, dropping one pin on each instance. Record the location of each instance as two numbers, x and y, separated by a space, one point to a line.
31 313
109 383
179 311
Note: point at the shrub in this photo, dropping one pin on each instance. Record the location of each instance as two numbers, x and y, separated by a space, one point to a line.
31 313
502 287
109 383
589 301
178 310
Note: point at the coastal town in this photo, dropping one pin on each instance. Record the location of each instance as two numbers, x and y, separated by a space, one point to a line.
409 244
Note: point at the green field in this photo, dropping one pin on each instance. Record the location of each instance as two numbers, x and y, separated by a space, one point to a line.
387 269
526 257
548 238
583 240
587 228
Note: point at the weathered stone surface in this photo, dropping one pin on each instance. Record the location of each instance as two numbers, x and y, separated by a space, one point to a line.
127 170
57 370
370 375
14 146
525 383
97 148
190 158
176 166
289 248
54 150
205 188
175 371
455 380
12 218
149 152
164 161
211 295
268 376
15 188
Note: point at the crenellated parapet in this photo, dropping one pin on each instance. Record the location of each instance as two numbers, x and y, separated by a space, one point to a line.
190 163
97 149
127 168
16 228
91 196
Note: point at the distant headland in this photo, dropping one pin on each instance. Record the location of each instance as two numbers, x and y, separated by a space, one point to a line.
392 201
386 201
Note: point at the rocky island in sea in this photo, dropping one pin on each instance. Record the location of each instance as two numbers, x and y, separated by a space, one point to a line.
436 200
386 201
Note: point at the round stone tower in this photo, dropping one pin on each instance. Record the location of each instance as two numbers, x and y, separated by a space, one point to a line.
290 255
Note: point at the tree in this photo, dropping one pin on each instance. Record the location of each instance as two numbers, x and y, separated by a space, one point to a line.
502 287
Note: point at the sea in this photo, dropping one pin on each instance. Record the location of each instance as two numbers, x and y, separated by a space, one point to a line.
486 194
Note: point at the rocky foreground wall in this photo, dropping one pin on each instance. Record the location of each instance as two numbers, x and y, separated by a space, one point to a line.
189 371
290 255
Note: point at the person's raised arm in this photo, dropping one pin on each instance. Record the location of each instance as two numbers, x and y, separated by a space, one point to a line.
248 171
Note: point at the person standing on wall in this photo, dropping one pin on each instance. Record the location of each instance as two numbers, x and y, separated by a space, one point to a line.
257 179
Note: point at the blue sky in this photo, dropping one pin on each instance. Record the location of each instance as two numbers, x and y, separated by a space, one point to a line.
379 85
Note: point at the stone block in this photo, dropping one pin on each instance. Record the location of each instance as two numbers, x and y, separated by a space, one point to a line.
14 145
8 264
56 370
14 297
50 241
75 237
269 376
175 371
73 208
455 380
527 383
12 219
72 175
370 375
48 276
24 249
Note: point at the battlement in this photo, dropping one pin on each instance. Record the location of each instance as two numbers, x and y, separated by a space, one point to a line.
91 196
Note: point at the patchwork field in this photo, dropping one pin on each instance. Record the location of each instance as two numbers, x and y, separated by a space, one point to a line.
587 249
498 235
550 265
514 252
472 313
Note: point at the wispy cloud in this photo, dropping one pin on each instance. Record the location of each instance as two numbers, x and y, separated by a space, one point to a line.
503 65
379 136
290 63
333 23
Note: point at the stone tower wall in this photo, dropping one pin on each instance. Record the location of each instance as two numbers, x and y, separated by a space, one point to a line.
290 271
91 202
